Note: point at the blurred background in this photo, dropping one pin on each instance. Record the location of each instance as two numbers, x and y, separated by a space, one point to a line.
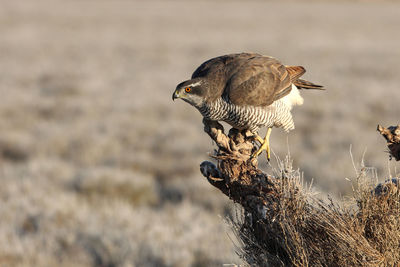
98 167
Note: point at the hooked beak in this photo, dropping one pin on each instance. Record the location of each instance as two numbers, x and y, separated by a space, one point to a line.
175 95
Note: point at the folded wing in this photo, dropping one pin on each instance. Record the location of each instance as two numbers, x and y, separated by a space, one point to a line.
260 81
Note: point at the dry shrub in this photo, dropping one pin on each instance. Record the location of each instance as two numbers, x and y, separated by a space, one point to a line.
283 224
379 217
297 229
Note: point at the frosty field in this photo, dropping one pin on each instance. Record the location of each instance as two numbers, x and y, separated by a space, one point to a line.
98 167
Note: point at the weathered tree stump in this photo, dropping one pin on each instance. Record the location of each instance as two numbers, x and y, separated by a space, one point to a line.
282 224
237 175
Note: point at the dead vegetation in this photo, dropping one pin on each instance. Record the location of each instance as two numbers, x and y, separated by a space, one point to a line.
284 224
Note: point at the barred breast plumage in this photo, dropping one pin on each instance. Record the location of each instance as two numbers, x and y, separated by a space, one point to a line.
278 114
246 90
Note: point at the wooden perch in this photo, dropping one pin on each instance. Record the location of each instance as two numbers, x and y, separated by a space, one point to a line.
237 175
392 136
282 224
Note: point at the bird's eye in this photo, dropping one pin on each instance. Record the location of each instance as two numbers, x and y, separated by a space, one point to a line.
188 89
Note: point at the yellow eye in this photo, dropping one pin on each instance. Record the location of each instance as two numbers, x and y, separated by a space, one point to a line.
188 89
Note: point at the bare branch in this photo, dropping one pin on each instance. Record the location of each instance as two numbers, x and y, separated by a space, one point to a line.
392 136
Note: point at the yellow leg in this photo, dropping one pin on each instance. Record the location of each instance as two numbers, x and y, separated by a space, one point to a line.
264 145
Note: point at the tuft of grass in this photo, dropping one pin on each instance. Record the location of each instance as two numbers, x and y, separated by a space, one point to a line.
298 229
378 217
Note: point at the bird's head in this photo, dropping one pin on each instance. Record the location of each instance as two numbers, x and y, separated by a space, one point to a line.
192 91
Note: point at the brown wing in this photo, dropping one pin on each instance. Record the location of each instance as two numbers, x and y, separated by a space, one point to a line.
295 72
222 63
218 70
258 82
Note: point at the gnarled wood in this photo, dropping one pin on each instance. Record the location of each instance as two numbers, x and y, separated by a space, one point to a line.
284 225
237 175
392 136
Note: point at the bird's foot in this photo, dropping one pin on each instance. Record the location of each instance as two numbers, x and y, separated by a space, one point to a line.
259 139
264 145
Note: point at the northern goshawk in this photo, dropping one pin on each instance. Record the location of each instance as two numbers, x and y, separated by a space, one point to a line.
248 91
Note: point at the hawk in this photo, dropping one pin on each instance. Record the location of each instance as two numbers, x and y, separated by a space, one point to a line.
248 91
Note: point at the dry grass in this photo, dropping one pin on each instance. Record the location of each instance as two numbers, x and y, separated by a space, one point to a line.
284 224
298 229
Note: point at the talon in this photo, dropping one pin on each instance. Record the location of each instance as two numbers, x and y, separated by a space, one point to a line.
264 145
259 139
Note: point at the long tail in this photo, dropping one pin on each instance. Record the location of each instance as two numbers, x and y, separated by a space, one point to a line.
303 84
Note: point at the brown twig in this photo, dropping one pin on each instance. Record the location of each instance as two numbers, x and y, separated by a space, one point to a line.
392 136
